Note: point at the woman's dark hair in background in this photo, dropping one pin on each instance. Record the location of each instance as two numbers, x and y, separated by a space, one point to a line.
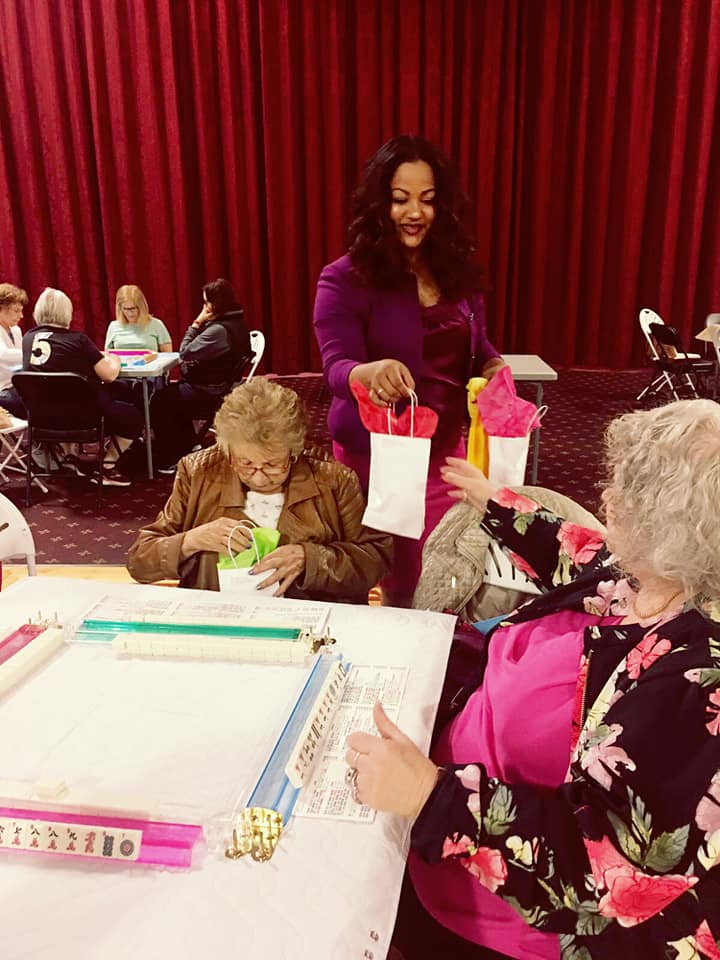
221 295
448 250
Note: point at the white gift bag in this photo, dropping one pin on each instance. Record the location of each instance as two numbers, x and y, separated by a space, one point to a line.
238 580
398 477
241 583
507 460
507 456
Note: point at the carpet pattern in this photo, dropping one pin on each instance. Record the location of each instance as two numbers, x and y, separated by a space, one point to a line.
69 527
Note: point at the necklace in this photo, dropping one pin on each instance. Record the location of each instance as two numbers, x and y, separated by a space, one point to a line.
653 613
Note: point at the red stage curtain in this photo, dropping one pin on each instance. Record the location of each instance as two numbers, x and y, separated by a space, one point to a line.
167 142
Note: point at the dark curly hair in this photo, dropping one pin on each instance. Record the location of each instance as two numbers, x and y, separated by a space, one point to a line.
448 250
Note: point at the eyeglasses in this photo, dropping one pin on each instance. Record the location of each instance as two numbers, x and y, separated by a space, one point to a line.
131 309
270 469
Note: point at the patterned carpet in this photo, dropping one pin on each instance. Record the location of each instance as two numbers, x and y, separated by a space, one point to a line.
68 527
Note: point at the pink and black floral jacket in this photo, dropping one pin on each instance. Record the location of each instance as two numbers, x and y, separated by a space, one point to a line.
622 860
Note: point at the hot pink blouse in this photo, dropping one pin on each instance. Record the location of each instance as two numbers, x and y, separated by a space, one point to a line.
518 725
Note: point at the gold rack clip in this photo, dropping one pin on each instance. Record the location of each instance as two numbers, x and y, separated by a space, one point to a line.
317 641
256 831
42 621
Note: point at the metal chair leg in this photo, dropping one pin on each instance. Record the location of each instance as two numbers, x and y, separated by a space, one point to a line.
671 385
650 388
28 467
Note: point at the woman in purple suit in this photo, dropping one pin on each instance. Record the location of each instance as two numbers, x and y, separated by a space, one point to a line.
403 311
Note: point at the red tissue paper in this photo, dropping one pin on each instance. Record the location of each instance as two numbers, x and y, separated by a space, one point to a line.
422 420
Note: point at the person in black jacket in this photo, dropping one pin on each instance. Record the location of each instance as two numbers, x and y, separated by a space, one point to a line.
211 352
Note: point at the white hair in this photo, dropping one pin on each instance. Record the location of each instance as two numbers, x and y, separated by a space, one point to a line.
664 492
54 308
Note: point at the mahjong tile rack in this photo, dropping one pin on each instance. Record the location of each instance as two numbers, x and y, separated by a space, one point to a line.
179 742
46 816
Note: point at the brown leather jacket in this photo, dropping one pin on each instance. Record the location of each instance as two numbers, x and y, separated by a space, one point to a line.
322 511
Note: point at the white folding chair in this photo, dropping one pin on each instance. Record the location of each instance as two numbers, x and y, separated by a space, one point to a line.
646 318
16 540
12 455
257 345
500 572
257 349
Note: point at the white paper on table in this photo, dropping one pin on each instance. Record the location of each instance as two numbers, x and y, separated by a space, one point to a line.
211 609
327 795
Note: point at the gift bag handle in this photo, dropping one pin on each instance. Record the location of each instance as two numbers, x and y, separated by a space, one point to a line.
413 405
539 414
243 525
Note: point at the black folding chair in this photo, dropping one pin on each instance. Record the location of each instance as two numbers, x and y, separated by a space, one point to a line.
61 408
678 369
244 371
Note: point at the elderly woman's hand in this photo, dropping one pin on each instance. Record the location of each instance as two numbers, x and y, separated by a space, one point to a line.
213 537
392 774
387 380
286 562
469 483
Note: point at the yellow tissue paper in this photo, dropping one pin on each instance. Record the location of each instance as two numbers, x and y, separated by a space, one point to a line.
477 445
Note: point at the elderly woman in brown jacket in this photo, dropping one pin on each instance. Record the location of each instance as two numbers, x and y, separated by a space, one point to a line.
259 471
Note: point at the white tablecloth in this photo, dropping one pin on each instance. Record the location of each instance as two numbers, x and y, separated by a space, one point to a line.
195 732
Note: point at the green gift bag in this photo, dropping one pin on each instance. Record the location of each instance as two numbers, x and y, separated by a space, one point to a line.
234 571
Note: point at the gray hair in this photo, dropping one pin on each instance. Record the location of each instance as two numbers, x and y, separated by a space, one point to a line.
262 413
54 308
664 493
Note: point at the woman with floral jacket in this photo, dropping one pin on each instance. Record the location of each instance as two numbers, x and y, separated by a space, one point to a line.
622 859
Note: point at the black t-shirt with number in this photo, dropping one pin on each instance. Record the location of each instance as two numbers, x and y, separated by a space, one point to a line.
58 350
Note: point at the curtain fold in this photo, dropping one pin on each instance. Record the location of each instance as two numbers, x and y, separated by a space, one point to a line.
166 143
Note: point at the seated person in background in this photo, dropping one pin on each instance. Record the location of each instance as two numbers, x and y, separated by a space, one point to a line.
134 328
578 792
51 347
210 353
12 301
258 471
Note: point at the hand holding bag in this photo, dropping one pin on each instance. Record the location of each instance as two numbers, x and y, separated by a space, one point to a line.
399 460
234 571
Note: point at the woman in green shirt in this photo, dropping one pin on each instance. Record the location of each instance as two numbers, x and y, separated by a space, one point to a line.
134 328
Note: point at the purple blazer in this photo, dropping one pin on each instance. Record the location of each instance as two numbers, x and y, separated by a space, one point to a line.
355 324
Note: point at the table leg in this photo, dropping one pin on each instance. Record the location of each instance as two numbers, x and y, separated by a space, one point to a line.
536 436
148 431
